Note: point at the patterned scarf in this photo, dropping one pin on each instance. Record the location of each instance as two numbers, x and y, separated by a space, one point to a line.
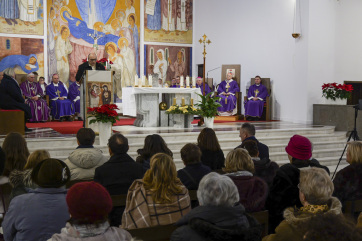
314 208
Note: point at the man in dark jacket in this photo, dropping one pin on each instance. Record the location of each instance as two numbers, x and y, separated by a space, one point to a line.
11 97
118 173
247 132
91 64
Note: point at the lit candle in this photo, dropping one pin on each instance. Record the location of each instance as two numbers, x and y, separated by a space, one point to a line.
193 82
181 81
143 80
150 80
187 82
192 102
183 101
136 80
174 101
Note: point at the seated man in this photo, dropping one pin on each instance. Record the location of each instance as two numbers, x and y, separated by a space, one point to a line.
200 84
42 84
227 90
256 97
60 106
34 98
74 95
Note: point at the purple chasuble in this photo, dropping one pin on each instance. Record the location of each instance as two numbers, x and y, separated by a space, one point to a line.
74 92
255 108
207 88
39 108
228 103
59 108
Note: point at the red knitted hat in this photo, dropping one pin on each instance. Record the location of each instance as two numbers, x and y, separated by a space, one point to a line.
89 201
299 147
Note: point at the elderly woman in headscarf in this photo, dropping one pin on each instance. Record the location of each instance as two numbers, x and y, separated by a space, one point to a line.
160 67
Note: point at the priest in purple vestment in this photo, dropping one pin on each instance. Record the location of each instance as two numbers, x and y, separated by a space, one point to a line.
227 90
34 94
61 107
200 85
74 95
256 97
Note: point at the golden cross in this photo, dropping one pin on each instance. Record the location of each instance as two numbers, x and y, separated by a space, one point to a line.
58 93
204 41
256 93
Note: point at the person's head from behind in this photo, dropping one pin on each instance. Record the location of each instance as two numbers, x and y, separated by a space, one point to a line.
238 160
35 158
257 80
16 152
299 148
315 186
207 140
155 144
10 72
252 147
88 203
217 190
50 173
247 130
117 144
190 154
161 179
85 137
354 152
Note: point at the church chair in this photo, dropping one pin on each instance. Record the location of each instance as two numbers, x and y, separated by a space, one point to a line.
72 182
352 208
12 121
263 218
210 82
156 233
267 104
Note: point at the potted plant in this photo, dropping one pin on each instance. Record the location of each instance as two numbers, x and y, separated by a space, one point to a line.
182 115
337 93
208 108
105 116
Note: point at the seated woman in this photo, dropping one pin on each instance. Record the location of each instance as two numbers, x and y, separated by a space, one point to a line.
88 215
227 90
315 194
348 181
212 155
157 199
220 216
153 144
253 191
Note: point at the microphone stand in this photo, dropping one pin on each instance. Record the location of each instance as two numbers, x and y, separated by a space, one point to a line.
208 76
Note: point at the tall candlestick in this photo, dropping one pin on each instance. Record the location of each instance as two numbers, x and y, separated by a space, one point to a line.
143 80
193 82
183 101
187 82
150 80
136 80
192 102
174 101
181 81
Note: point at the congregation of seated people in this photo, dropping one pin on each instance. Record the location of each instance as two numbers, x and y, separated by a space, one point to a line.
299 196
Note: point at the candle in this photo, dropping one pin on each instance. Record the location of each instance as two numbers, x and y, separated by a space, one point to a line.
192 102
143 80
136 80
187 81
150 80
174 101
193 82
183 101
181 81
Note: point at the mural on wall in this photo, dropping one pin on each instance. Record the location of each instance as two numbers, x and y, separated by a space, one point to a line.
24 54
168 21
110 28
168 62
21 17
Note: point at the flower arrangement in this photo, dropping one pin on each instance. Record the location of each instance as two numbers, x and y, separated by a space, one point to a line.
104 113
186 109
208 105
336 91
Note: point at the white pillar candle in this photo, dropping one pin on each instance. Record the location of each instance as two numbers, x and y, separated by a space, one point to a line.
150 80
143 80
136 80
182 81
193 82
187 81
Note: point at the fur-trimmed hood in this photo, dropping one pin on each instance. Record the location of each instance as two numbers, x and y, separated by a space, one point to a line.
22 178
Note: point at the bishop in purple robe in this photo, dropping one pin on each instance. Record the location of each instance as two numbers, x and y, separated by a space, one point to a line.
60 106
200 85
256 97
227 90
34 94
74 95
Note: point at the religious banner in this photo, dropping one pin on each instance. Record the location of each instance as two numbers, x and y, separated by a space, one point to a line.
109 28
168 21
21 17
26 55
168 62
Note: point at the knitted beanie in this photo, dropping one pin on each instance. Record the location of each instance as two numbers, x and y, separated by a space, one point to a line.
50 173
89 201
299 147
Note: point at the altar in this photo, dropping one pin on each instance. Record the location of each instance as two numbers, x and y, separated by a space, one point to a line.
143 102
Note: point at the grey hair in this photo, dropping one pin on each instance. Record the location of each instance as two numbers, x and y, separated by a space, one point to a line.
10 72
30 74
217 190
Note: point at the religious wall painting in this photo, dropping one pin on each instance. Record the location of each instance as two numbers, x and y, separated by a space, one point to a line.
168 62
169 21
109 28
230 71
26 55
99 93
21 17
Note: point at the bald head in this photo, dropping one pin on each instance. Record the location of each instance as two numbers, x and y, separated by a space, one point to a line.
92 59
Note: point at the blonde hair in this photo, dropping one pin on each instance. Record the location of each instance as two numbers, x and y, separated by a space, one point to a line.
238 160
355 152
161 179
316 185
35 158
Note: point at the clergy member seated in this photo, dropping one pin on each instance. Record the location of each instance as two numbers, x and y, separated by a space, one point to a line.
227 90
61 107
200 85
256 97
74 95
42 84
34 94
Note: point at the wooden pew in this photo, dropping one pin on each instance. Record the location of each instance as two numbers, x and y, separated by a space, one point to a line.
157 233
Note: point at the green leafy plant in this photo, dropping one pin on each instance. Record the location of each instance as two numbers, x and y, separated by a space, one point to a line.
208 105
105 113
186 109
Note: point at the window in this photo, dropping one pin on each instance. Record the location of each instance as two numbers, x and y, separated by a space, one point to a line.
152 56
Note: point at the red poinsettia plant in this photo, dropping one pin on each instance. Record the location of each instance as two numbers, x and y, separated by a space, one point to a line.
105 113
336 91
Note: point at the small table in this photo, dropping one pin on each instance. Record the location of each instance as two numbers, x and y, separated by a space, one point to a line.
143 102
